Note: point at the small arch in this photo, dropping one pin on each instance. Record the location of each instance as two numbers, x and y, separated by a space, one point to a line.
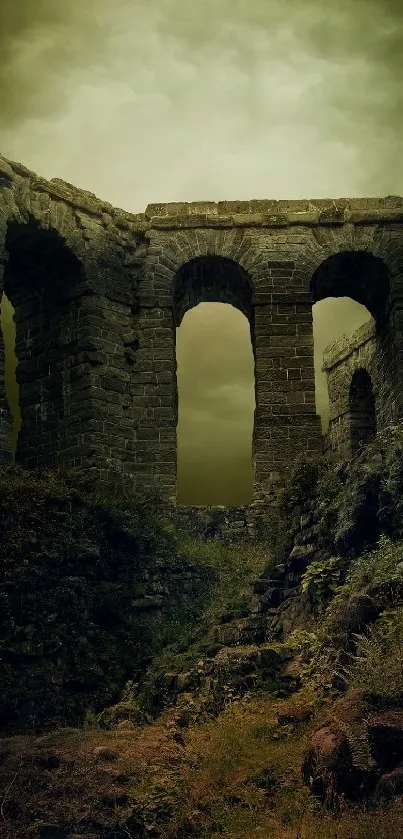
362 410
334 319
356 274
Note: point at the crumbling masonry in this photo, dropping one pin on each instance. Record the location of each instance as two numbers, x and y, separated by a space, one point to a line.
98 294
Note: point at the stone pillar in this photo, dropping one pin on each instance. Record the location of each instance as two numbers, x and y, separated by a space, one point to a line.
6 420
286 423
338 439
155 397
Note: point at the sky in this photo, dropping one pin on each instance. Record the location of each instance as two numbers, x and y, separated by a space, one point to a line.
143 101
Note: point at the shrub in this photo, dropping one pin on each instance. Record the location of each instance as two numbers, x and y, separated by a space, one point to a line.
322 578
303 479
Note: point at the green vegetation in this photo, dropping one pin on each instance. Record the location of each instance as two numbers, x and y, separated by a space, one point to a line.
108 591
322 578
92 589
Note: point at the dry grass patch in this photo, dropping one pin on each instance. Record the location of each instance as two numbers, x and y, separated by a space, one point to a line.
237 776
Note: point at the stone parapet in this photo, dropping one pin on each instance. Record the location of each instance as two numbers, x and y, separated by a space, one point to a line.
339 350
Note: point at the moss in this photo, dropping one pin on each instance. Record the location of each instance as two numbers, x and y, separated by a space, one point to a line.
92 589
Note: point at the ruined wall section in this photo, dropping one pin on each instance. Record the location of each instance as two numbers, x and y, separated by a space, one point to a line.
367 349
76 318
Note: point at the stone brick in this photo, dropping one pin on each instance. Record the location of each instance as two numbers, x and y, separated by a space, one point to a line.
97 368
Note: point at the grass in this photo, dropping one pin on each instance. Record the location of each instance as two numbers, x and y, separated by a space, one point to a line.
236 568
237 776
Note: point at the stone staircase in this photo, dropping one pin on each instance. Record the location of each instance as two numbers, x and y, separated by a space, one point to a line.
247 649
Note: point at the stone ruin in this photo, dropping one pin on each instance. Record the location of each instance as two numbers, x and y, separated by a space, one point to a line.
98 293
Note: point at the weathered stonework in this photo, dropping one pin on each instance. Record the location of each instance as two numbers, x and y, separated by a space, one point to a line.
98 294
363 381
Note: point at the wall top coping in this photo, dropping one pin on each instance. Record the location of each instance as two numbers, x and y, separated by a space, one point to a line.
221 214
339 350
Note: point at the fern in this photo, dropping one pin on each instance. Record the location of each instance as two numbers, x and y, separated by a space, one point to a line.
377 665
378 566
357 737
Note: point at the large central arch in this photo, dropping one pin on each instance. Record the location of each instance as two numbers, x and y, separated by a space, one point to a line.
211 279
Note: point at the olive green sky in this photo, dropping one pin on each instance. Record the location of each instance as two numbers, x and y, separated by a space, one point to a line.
169 100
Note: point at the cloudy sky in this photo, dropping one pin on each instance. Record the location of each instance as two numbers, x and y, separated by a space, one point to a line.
172 100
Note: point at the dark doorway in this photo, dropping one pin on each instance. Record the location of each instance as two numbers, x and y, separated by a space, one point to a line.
362 410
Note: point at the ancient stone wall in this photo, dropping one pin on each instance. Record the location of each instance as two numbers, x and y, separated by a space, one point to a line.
98 294
360 369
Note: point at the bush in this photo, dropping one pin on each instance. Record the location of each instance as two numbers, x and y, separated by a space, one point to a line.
303 480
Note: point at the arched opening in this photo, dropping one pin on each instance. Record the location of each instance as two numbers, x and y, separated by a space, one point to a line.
40 282
333 318
212 299
362 410
348 289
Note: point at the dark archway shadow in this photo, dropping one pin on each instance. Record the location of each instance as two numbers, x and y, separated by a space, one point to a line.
362 410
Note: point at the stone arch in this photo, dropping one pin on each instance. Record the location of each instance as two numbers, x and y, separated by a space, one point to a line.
169 251
362 410
42 279
177 275
328 241
358 273
47 213
353 273
212 278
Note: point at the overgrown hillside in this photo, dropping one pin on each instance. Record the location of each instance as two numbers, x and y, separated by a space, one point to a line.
161 684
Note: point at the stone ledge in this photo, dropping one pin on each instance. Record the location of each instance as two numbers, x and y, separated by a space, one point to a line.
326 207
289 219
340 350
262 213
